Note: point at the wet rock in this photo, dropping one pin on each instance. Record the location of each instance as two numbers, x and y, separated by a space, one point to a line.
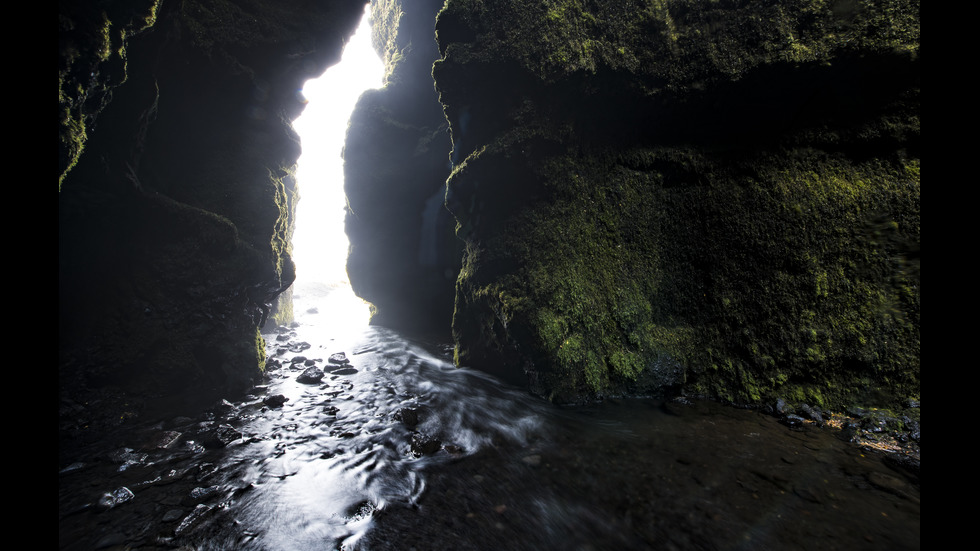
344 371
781 407
199 494
223 407
312 376
221 436
454 450
162 440
877 421
423 444
275 401
193 519
297 360
408 416
912 427
339 358
127 458
299 346
116 497
792 421
204 470
811 413
309 362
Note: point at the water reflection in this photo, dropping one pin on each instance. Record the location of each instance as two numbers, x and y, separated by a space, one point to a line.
397 449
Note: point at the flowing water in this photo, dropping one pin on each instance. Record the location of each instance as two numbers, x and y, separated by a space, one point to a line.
396 449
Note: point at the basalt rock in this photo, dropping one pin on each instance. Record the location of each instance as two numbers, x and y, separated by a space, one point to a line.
176 185
715 198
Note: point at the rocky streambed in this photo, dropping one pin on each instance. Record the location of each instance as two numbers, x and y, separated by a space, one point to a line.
377 442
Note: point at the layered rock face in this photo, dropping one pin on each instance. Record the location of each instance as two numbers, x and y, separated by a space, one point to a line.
404 256
177 190
718 198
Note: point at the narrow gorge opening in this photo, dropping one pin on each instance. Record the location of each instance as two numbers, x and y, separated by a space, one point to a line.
322 293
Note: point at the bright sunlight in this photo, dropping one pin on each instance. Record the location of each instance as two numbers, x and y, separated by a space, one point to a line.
319 243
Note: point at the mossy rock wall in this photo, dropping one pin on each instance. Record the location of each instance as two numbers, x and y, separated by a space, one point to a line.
175 220
717 198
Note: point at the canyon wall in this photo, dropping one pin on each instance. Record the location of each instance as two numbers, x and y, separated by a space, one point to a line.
675 196
177 190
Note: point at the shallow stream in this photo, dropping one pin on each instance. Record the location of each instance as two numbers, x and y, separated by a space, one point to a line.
396 449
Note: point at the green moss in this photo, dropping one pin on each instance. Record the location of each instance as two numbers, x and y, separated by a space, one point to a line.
260 349
752 262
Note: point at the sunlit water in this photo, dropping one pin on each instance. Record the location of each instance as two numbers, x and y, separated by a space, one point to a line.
398 449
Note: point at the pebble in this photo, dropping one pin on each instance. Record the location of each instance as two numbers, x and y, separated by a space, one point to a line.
312 375
532 460
116 497
275 401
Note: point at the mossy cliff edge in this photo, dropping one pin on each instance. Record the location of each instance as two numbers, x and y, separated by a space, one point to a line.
716 198
177 188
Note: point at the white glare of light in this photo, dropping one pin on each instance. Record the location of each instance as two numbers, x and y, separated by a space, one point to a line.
319 242
322 290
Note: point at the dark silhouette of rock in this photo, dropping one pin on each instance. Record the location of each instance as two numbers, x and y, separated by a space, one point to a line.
404 255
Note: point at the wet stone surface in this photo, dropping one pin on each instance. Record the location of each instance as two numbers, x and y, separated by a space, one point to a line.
393 448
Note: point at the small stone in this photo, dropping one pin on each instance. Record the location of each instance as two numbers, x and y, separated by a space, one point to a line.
408 416
297 359
312 375
532 460
199 494
193 519
116 497
275 401
423 444
811 413
339 358
163 440
221 436
299 346
792 421
344 371
454 450
781 407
